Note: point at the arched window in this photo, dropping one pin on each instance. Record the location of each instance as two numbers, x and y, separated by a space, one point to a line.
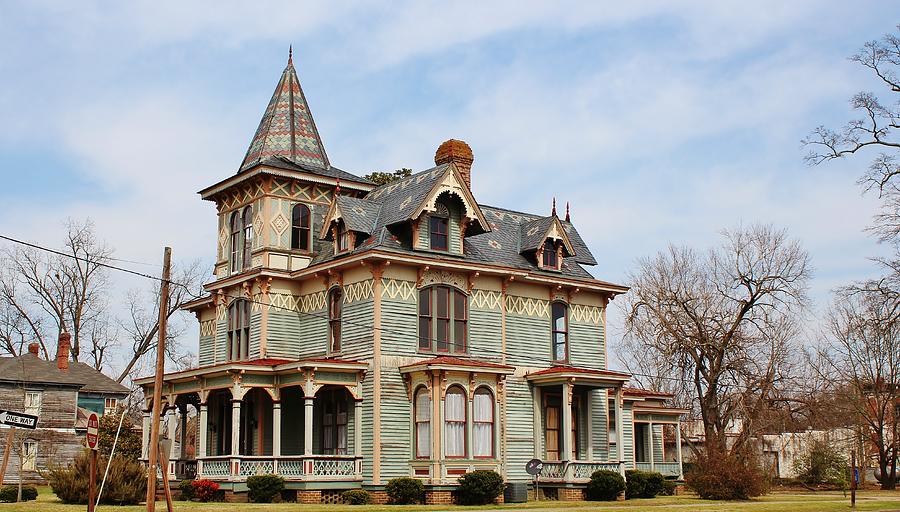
423 423
235 241
560 331
248 235
335 299
483 424
551 259
438 224
300 229
238 330
455 423
443 319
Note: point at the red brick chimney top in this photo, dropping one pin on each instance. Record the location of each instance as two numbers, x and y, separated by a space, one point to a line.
34 348
62 351
459 153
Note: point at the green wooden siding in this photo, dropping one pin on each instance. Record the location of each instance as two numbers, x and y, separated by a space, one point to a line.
527 340
599 424
627 435
292 421
221 341
368 428
206 355
519 427
356 329
484 333
399 323
586 345
255 324
657 443
396 417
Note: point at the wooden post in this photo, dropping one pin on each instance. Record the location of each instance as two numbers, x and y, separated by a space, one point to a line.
853 472
158 382
92 487
9 442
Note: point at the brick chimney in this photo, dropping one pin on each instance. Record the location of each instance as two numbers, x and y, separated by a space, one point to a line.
62 351
459 153
34 348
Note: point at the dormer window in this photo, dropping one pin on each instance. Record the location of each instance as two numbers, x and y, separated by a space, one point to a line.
439 228
343 238
300 227
550 257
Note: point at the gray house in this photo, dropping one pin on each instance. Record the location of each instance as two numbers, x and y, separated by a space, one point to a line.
62 394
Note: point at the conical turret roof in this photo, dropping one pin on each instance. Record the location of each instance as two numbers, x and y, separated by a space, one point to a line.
287 129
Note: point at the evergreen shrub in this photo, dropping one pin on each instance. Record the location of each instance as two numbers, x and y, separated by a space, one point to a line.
263 488
479 487
187 490
605 485
356 497
126 483
8 493
405 491
643 484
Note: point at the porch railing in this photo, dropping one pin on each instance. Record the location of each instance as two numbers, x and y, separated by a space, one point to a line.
575 471
299 467
665 468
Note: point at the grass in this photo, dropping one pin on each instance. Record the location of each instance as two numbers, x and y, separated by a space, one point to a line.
779 502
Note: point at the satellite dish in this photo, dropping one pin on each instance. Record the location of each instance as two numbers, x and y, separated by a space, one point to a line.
534 467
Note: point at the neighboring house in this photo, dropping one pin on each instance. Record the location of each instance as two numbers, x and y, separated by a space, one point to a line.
62 394
356 334
781 451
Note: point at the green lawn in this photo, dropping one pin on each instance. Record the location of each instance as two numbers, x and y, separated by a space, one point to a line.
47 502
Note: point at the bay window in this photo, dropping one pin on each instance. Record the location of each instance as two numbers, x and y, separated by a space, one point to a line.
455 423
443 319
483 424
423 423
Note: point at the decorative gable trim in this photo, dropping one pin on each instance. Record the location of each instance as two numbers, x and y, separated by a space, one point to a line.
333 214
453 183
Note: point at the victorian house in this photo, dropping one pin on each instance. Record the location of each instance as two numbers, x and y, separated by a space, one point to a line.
356 333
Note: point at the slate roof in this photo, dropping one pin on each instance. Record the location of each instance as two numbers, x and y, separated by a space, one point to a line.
533 232
33 369
401 198
359 214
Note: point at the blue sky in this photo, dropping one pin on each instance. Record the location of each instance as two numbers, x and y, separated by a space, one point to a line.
659 122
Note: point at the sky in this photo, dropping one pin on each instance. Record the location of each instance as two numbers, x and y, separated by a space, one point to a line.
659 122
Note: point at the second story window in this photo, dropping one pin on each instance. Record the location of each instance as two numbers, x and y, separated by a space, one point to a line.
438 230
300 227
109 406
248 235
443 319
235 241
238 330
550 257
33 400
343 238
559 331
335 300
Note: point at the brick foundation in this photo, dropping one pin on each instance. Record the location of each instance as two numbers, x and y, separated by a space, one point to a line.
379 497
309 497
570 494
499 500
439 498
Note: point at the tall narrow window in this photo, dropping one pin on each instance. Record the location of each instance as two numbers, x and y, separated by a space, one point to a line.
335 299
29 455
33 400
238 330
483 423
109 406
423 423
455 423
443 318
560 331
551 259
248 235
438 231
235 241
300 227
343 238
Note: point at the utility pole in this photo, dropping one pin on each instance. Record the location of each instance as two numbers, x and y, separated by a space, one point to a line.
158 382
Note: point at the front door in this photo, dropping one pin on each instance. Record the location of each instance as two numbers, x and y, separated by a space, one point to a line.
552 427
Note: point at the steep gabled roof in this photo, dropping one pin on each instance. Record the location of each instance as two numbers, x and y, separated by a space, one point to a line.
534 232
287 128
359 215
32 369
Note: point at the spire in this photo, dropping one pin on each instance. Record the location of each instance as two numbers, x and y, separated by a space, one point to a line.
287 128
553 213
568 219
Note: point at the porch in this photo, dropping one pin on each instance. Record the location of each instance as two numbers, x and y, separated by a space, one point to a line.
301 420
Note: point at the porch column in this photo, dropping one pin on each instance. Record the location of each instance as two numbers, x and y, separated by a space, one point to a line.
235 426
620 435
145 435
678 448
182 441
538 434
171 427
566 422
357 428
202 426
276 428
308 425
650 451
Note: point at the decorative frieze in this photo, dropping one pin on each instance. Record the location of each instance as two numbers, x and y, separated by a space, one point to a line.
485 299
301 191
301 303
586 314
397 289
430 277
527 306
208 328
361 290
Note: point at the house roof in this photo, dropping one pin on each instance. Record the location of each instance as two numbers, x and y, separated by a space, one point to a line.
287 128
457 361
32 369
553 370
647 393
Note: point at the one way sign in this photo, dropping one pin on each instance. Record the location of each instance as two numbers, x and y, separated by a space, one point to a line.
18 419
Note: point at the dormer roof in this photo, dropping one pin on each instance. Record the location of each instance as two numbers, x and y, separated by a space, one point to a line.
537 231
358 215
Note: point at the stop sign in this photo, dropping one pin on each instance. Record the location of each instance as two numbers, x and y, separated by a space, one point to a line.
93 429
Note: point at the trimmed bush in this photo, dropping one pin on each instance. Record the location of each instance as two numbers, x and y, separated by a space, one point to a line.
205 490
479 487
187 490
405 491
732 476
356 497
669 487
605 485
643 484
8 493
126 483
262 488
822 464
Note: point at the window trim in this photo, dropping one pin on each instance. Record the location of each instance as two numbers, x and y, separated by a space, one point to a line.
237 326
33 410
247 238
422 390
303 232
29 462
236 234
550 258
451 319
441 221
465 422
493 422
335 399
554 332
335 321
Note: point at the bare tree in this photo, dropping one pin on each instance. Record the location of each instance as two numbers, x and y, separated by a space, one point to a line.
862 361
722 321
143 325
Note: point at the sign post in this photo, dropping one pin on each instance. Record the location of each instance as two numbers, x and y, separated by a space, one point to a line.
534 468
854 479
93 435
14 419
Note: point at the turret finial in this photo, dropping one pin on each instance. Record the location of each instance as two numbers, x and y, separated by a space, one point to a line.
337 188
554 207
567 212
291 55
